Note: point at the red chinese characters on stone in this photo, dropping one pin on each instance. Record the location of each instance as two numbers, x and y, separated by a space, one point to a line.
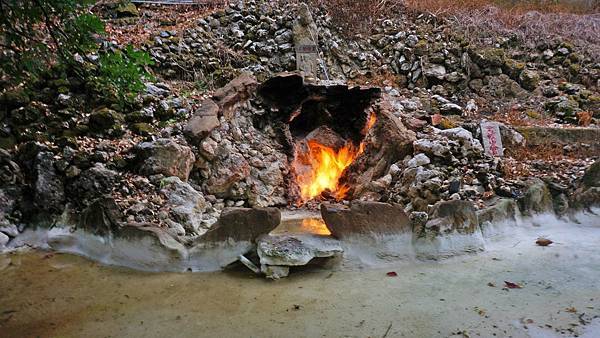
491 135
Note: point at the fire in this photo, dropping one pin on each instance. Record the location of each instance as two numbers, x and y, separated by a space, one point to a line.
315 226
327 166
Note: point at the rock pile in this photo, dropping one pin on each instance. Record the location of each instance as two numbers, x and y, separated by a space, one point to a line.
418 52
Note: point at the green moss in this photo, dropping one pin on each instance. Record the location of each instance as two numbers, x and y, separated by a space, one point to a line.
126 10
421 47
513 68
490 57
143 129
533 114
574 69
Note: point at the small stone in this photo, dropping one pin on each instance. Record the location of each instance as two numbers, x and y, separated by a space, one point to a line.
418 161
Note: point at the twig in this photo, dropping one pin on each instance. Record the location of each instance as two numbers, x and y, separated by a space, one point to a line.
387 331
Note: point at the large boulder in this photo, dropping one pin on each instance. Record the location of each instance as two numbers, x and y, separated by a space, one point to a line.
93 183
4 239
102 217
501 212
104 119
204 120
365 218
529 79
234 234
387 142
591 177
452 229
226 173
537 198
588 193
49 192
277 253
186 204
447 217
242 224
165 156
233 93
126 9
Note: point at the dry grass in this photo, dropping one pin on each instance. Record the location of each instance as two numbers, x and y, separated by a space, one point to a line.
356 17
584 118
481 20
518 117
527 21
508 7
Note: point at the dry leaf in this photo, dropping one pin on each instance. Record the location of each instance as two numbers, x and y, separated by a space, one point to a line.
543 241
511 285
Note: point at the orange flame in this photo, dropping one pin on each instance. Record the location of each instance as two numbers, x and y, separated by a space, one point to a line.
315 226
327 166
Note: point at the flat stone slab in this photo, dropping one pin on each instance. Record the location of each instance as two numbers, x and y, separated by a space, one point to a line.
295 250
365 218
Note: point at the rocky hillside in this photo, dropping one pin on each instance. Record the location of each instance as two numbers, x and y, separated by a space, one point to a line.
201 138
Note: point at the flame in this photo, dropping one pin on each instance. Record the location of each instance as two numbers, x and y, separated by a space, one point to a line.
327 166
315 226
370 123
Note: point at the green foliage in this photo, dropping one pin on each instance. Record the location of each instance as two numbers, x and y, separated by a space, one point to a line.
123 72
38 35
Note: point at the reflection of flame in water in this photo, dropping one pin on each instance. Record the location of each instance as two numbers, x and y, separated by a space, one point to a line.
315 226
327 166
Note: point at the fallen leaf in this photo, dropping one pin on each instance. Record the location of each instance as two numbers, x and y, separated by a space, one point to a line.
543 241
392 274
492 285
571 309
511 285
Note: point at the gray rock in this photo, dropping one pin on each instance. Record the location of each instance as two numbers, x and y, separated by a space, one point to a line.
4 239
165 156
242 224
295 250
204 120
448 217
187 205
504 210
469 144
537 198
93 183
510 137
305 37
591 177
434 71
154 90
275 272
49 186
529 79
102 217
432 148
418 161
365 218
451 108
9 229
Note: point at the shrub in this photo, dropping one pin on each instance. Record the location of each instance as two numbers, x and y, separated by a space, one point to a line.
40 35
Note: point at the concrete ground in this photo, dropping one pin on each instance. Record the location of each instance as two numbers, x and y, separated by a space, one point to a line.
59 295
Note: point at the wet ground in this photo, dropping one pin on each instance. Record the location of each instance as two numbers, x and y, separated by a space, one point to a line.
59 295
